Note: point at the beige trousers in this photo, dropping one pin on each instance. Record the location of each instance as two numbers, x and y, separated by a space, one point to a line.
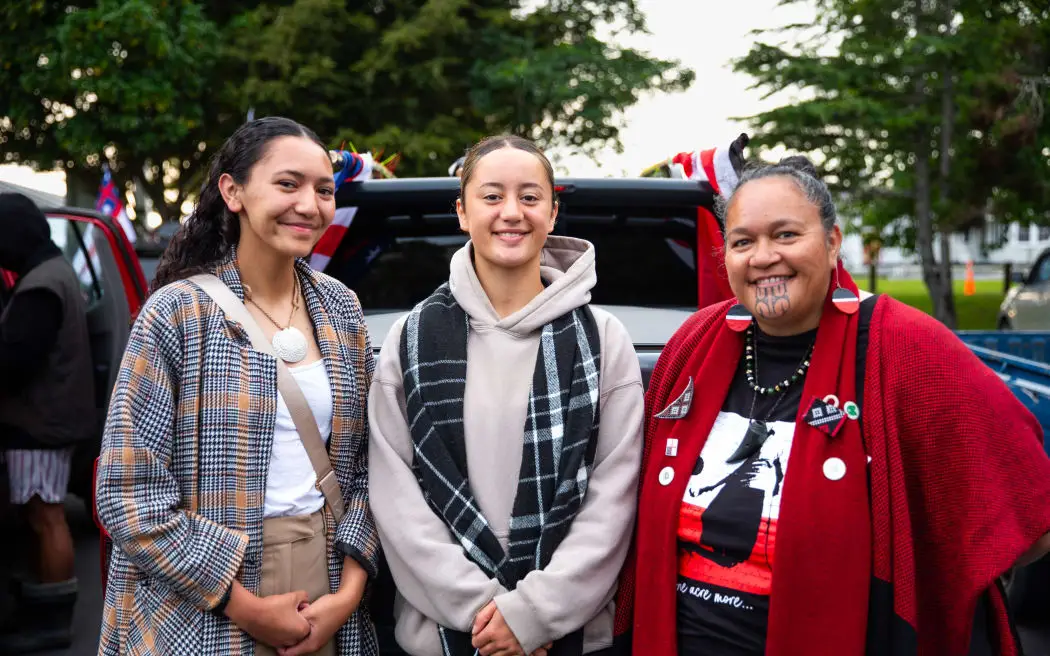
294 558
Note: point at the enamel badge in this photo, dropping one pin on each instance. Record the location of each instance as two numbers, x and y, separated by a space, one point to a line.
679 408
852 410
825 417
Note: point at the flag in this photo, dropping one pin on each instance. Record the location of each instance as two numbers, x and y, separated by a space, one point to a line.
87 267
720 168
110 204
356 166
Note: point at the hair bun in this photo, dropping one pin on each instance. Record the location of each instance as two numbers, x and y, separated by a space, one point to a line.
800 164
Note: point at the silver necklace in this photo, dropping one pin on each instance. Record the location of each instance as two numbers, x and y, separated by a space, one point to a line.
289 343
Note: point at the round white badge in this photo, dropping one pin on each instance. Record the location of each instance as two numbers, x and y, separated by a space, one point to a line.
834 469
666 475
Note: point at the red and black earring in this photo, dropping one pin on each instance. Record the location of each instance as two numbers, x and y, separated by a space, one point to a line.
739 318
843 299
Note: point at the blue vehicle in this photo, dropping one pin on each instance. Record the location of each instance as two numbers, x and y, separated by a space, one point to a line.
1022 360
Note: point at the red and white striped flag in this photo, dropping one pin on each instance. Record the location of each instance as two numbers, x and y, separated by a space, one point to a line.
344 216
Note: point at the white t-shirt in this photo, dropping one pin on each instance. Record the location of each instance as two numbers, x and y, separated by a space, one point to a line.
290 482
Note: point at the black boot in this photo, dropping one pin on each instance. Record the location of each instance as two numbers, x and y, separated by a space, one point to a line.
43 618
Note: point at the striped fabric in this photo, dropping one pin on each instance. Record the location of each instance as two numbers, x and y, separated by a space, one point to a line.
561 432
43 472
714 165
182 476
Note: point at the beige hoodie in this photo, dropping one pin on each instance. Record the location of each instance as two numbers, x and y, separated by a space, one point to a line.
437 582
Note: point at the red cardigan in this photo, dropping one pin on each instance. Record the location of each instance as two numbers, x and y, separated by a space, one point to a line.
892 558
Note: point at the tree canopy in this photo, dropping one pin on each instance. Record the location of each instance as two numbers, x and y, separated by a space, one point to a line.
152 87
929 115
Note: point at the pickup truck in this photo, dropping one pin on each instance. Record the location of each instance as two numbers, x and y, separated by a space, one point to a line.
1022 360
651 274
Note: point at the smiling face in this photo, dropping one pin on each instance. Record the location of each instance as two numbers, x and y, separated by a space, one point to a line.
287 201
508 208
779 258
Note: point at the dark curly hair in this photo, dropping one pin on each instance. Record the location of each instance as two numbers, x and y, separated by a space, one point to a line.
212 229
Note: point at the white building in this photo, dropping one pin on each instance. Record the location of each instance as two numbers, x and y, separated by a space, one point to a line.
1022 246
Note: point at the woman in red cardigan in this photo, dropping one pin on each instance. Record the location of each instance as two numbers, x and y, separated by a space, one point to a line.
825 474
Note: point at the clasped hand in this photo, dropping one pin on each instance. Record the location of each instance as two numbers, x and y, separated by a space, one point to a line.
491 635
290 622
325 616
274 620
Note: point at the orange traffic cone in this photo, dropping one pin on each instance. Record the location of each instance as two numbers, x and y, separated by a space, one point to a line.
969 285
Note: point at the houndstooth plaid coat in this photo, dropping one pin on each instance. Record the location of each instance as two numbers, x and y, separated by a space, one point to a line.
184 459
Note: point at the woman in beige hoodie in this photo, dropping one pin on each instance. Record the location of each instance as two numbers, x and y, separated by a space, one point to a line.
506 419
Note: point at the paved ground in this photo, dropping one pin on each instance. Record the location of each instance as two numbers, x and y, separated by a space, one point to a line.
88 612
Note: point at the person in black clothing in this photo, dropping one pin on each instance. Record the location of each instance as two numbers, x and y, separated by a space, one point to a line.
46 407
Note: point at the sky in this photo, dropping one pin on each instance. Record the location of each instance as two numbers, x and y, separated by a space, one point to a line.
702 117
658 126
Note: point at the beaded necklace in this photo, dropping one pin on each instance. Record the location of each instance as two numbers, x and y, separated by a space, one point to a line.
758 430
751 355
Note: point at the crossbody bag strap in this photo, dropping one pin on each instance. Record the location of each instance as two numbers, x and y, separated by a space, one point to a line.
293 396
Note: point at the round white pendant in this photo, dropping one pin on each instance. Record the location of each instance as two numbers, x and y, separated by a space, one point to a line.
290 345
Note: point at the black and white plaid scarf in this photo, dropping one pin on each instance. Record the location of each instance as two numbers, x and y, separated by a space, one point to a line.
561 431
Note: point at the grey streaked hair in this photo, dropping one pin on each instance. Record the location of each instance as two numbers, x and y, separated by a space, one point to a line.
802 172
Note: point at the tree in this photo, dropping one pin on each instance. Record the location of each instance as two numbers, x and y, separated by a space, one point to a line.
429 78
152 87
928 116
127 83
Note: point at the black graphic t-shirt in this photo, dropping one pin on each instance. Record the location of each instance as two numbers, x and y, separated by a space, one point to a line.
727 523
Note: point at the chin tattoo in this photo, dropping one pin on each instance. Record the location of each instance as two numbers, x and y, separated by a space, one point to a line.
772 301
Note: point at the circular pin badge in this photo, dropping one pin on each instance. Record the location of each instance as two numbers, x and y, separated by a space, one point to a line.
834 469
852 410
666 475
832 400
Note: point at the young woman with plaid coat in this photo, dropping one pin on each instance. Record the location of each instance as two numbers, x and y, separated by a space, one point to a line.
506 421
200 456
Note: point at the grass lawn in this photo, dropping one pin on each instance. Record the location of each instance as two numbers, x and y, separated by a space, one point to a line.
977 312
